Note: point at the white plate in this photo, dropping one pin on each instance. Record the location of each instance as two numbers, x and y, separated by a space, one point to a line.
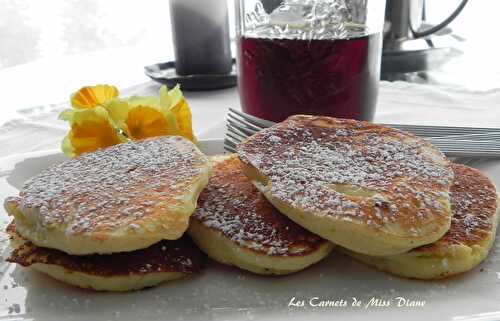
225 293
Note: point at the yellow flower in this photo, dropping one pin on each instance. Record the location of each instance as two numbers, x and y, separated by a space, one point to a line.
91 129
92 96
182 114
143 122
142 117
101 119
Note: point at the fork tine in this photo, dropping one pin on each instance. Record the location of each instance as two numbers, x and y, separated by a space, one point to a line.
491 136
460 144
234 138
472 147
243 122
238 131
229 145
471 154
449 145
445 129
469 150
246 130
259 122
229 149
230 142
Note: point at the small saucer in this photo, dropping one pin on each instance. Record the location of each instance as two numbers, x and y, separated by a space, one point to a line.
165 73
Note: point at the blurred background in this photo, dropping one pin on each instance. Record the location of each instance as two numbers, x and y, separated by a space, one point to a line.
52 47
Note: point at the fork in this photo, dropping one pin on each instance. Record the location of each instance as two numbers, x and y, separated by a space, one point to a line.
472 142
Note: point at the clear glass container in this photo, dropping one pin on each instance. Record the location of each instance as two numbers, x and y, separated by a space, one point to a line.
318 57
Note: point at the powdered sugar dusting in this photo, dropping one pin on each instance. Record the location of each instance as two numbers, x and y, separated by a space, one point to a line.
407 179
231 205
113 187
474 203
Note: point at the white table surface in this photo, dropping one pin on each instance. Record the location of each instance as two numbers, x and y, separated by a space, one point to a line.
37 128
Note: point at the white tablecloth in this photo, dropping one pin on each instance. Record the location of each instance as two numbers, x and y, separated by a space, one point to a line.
37 128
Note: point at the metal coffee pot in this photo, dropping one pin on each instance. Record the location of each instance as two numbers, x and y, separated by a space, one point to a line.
408 45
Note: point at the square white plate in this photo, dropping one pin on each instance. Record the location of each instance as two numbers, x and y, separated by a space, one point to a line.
226 293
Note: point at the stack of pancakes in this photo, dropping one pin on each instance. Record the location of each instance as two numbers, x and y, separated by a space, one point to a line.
114 219
385 197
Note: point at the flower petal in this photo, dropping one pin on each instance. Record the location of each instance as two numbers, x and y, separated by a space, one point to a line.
176 95
66 115
67 148
91 129
148 116
165 99
118 110
92 96
183 118
135 101
145 121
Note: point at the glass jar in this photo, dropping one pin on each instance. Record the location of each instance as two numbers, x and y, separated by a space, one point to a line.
317 57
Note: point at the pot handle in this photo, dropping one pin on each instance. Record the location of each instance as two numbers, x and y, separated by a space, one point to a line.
436 28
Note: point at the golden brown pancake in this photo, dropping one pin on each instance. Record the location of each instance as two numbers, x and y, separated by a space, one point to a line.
235 224
371 189
163 261
118 199
474 203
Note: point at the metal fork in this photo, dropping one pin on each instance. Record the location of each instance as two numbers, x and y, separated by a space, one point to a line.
453 141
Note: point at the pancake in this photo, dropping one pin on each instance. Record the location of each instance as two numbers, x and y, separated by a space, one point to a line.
372 189
234 224
163 261
122 198
474 203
